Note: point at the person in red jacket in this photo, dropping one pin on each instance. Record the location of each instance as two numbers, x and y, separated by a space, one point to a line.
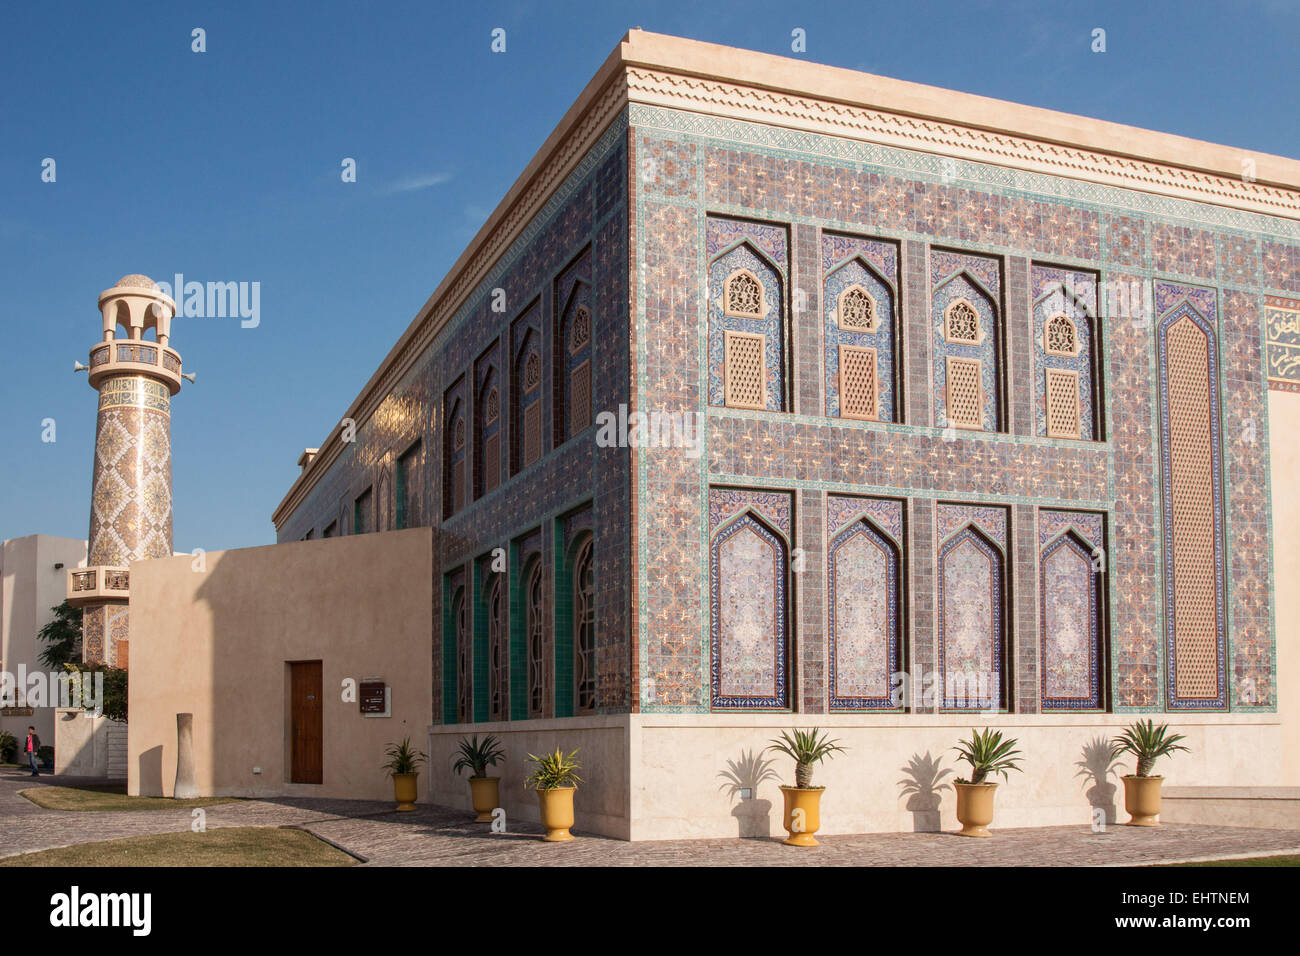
33 745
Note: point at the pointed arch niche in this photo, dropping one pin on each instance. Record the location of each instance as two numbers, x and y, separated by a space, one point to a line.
859 303
864 604
1072 620
748 596
971 607
747 314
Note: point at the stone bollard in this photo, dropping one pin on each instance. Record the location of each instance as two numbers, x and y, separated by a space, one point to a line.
185 787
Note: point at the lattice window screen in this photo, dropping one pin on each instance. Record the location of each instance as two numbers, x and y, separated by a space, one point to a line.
491 462
965 393
580 330
532 433
858 310
859 389
744 370
580 398
743 296
962 323
458 485
1061 336
1062 400
1192 485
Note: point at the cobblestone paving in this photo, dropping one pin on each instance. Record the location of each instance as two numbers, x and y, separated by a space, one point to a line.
440 836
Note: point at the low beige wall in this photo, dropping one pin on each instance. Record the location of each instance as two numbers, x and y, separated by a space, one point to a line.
662 777
601 803
215 642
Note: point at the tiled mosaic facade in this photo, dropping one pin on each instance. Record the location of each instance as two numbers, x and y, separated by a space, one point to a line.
1020 252
820 545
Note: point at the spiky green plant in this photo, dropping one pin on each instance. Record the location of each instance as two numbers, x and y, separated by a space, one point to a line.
1147 742
476 756
987 752
402 758
806 748
552 771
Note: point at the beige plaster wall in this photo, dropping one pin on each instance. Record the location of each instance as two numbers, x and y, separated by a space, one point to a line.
676 784
29 586
215 642
1284 456
601 803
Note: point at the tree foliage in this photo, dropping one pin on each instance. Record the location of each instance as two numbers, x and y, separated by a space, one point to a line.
62 637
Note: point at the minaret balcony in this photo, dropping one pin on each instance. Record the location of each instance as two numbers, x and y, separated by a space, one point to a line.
98 584
135 356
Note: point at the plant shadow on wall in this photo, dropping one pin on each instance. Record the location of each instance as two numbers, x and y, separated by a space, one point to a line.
742 779
922 788
1099 758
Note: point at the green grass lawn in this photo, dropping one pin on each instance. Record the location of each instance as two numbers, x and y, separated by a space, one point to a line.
1252 861
110 796
224 846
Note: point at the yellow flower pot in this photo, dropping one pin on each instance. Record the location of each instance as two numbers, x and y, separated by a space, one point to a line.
557 813
803 815
485 795
1142 800
405 790
975 808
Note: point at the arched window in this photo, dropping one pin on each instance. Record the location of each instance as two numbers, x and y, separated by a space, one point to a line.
1061 336
535 617
455 460
962 323
463 663
580 330
743 297
864 605
487 445
528 384
584 629
857 310
1071 651
498 651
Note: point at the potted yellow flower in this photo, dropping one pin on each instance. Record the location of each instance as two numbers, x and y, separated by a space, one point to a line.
476 756
987 753
803 801
555 778
1147 743
402 764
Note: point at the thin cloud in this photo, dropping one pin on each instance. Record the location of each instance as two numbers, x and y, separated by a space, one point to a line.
413 183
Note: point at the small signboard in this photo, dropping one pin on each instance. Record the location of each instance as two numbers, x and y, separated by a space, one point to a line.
374 698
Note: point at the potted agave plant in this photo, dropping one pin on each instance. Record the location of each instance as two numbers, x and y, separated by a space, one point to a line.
987 753
555 778
803 801
1147 743
403 762
476 756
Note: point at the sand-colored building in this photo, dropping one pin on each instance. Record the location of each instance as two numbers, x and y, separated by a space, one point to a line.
774 394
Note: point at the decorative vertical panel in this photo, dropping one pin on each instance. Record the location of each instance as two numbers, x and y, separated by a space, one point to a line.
744 376
971 579
487 423
455 443
864 602
526 392
860 308
573 350
498 649
534 631
1195 631
965 392
1065 352
966 316
748 265
1062 400
1072 621
748 586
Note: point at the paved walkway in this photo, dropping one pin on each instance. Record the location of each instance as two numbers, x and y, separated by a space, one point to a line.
440 836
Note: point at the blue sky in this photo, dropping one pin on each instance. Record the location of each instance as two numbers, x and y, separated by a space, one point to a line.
225 166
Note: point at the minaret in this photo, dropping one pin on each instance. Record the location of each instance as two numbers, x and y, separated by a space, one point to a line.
131 490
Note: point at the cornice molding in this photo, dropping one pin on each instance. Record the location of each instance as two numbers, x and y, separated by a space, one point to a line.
752 104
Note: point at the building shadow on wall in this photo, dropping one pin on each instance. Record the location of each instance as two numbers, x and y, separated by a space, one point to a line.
1097 761
923 790
151 771
741 781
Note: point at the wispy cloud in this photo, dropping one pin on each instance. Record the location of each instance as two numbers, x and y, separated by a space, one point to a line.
413 183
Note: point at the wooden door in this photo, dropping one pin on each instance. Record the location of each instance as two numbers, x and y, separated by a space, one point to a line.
305 722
